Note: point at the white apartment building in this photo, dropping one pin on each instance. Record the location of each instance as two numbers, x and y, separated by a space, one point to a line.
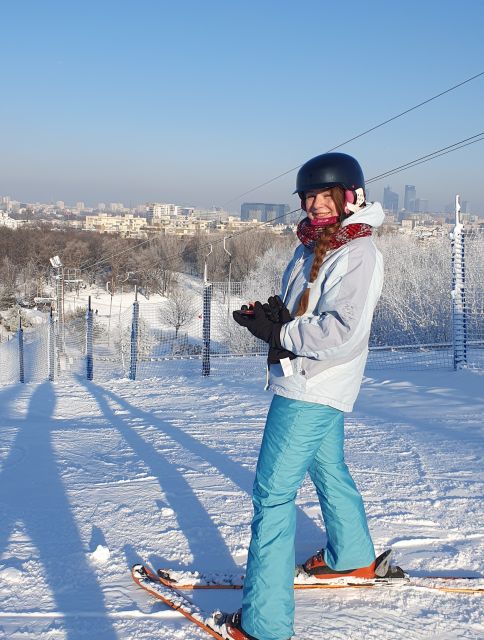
6 221
181 226
160 211
127 226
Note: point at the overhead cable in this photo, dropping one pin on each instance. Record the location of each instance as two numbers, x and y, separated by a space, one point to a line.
363 133
86 266
465 142
429 156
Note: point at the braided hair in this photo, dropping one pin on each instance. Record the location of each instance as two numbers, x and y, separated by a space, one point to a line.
322 245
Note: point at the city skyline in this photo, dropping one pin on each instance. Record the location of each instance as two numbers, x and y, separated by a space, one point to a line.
199 104
392 202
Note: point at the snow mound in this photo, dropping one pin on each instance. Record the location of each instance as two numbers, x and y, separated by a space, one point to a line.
101 555
10 575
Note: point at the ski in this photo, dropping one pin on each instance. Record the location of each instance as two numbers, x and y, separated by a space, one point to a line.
194 580
151 583
191 581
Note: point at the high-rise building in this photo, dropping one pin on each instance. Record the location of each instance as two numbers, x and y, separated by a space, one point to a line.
116 206
421 205
159 210
410 197
264 212
390 200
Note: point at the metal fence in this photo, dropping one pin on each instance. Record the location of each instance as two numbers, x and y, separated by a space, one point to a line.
431 315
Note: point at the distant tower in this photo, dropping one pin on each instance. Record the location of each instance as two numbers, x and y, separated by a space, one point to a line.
263 212
390 200
410 197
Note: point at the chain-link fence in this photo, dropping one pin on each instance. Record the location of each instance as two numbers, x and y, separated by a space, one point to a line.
431 315
412 324
473 299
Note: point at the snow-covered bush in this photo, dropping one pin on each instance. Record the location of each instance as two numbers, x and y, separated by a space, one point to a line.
415 305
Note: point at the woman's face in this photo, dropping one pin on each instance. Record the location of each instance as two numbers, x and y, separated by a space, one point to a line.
319 204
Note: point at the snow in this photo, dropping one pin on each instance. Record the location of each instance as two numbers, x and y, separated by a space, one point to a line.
95 477
101 554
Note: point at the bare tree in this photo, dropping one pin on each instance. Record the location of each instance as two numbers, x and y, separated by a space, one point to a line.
265 278
180 309
75 253
8 280
157 265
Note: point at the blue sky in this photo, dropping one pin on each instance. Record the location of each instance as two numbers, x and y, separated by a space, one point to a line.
196 102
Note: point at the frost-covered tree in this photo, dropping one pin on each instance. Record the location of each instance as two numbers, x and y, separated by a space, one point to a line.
180 309
265 278
415 305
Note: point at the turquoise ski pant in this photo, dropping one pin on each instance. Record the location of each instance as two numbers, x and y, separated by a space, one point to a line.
298 437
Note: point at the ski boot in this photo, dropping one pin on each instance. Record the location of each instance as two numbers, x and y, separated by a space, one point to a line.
228 625
379 568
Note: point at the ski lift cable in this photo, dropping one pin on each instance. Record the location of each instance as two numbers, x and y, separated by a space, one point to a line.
381 124
430 156
427 158
415 163
364 133
422 159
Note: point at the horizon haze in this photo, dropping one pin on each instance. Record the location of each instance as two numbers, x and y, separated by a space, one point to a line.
200 103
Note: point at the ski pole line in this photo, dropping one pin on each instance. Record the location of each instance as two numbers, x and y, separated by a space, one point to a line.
381 124
479 137
364 133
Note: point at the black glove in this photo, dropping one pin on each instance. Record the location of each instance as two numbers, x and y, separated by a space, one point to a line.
265 329
275 355
276 310
259 325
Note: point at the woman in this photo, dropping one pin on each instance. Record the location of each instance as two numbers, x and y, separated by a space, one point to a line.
318 345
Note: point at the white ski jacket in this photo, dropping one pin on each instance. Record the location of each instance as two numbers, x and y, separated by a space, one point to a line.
331 339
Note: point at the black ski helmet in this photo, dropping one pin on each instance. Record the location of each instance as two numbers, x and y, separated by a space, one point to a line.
330 170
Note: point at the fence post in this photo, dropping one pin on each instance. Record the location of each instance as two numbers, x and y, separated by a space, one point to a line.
134 337
89 341
21 349
51 346
459 309
207 313
59 294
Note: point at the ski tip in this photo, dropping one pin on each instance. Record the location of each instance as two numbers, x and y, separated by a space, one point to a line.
140 571
138 568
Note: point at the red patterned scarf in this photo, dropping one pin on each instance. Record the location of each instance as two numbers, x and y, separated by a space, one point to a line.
308 234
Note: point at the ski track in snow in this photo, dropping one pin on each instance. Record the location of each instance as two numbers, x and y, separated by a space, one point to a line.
95 477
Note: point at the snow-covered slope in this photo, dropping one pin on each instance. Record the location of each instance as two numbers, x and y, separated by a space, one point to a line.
94 478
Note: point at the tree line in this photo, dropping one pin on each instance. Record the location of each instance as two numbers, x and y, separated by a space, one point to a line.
102 258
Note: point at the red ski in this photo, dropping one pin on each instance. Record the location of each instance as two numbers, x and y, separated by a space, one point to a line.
190 581
151 583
